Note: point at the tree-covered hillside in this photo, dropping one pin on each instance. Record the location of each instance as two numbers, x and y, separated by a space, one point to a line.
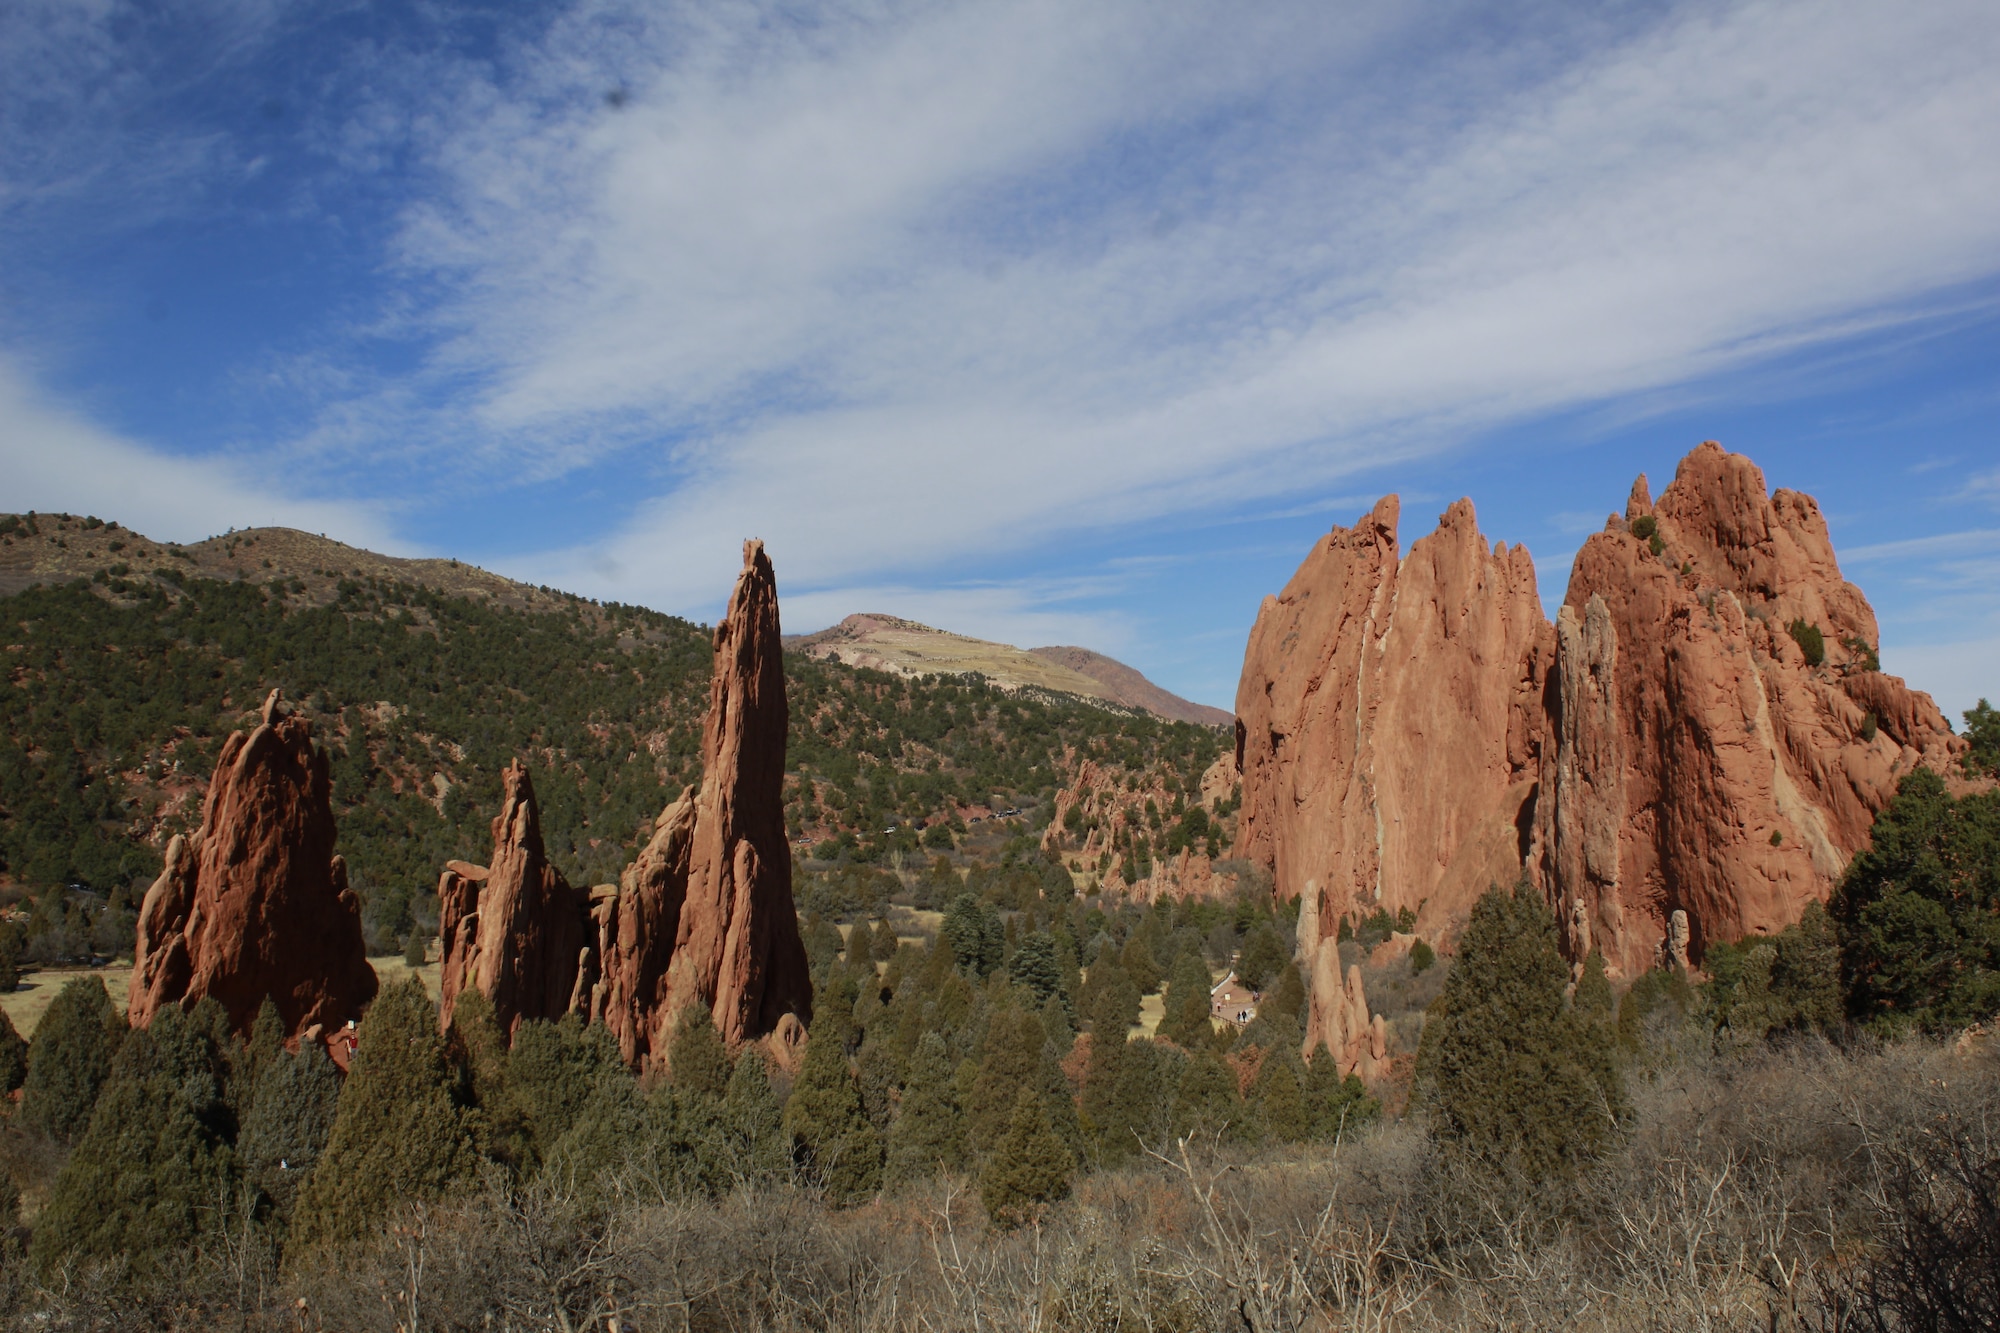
123 688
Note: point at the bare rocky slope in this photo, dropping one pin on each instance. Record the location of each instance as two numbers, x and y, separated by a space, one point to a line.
906 648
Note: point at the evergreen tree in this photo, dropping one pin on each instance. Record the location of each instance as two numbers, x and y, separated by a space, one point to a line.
400 1132
1262 958
1186 1022
1139 963
1034 967
1029 1167
753 1126
11 943
928 1135
1788 982
837 1146
1336 1104
552 1072
1281 1102
1508 1072
1012 1061
1288 996
13 1056
287 1120
1918 913
1206 1103
155 1158
70 1058
699 1063
885 941
607 1125
266 1044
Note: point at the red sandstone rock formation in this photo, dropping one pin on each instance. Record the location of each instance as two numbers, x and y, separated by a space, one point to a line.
1410 731
705 914
255 903
1388 729
515 931
1698 761
1101 797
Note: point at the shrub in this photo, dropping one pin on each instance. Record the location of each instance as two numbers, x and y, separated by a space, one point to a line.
1918 913
1982 729
1422 957
1508 1072
70 1058
1645 527
1029 1169
1810 641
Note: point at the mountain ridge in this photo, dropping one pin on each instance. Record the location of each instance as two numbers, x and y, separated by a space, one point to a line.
909 648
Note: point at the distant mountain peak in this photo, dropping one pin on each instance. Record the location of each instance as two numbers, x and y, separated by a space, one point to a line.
907 648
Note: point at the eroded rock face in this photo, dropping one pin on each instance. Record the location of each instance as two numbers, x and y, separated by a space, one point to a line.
516 930
736 945
1388 730
1411 731
637 923
1701 763
255 903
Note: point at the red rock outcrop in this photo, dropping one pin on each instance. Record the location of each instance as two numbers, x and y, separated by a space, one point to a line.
515 930
705 914
1410 731
1699 761
255 903
1388 730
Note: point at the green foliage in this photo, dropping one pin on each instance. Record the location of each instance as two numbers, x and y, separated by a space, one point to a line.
1186 1021
1336 1104
287 1120
1652 1011
837 1147
1982 730
1422 957
70 1058
929 1133
1035 968
1263 956
1206 1105
400 1133
11 942
1139 963
1789 982
551 1074
1281 1101
1029 1168
1508 1072
1013 1060
1287 999
975 935
13 1056
696 1055
1810 640
413 949
1918 913
753 1128
1645 527
155 1163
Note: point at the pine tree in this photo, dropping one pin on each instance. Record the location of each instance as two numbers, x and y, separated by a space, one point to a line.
1139 963
1336 1104
885 941
1029 1167
70 1058
286 1122
696 1058
1186 1022
13 1056
1262 957
928 1135
1206 1104
1012 1061
837 1146
1288 996
155 1157
1507 1071
551 1075
1281 1102
266 1044
400 1132
1034 967
753 1122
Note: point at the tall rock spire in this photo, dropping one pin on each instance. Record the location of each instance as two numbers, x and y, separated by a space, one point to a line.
255 903
516 930
705 914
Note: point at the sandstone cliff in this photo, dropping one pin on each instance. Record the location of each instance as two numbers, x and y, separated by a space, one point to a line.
255 903
705 914
515 930
1411 730
1700 761
1388 728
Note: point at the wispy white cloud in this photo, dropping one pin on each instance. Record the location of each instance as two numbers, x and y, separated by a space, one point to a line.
903 286
57 460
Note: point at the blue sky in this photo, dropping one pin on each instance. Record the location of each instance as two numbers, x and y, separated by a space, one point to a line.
1040 321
